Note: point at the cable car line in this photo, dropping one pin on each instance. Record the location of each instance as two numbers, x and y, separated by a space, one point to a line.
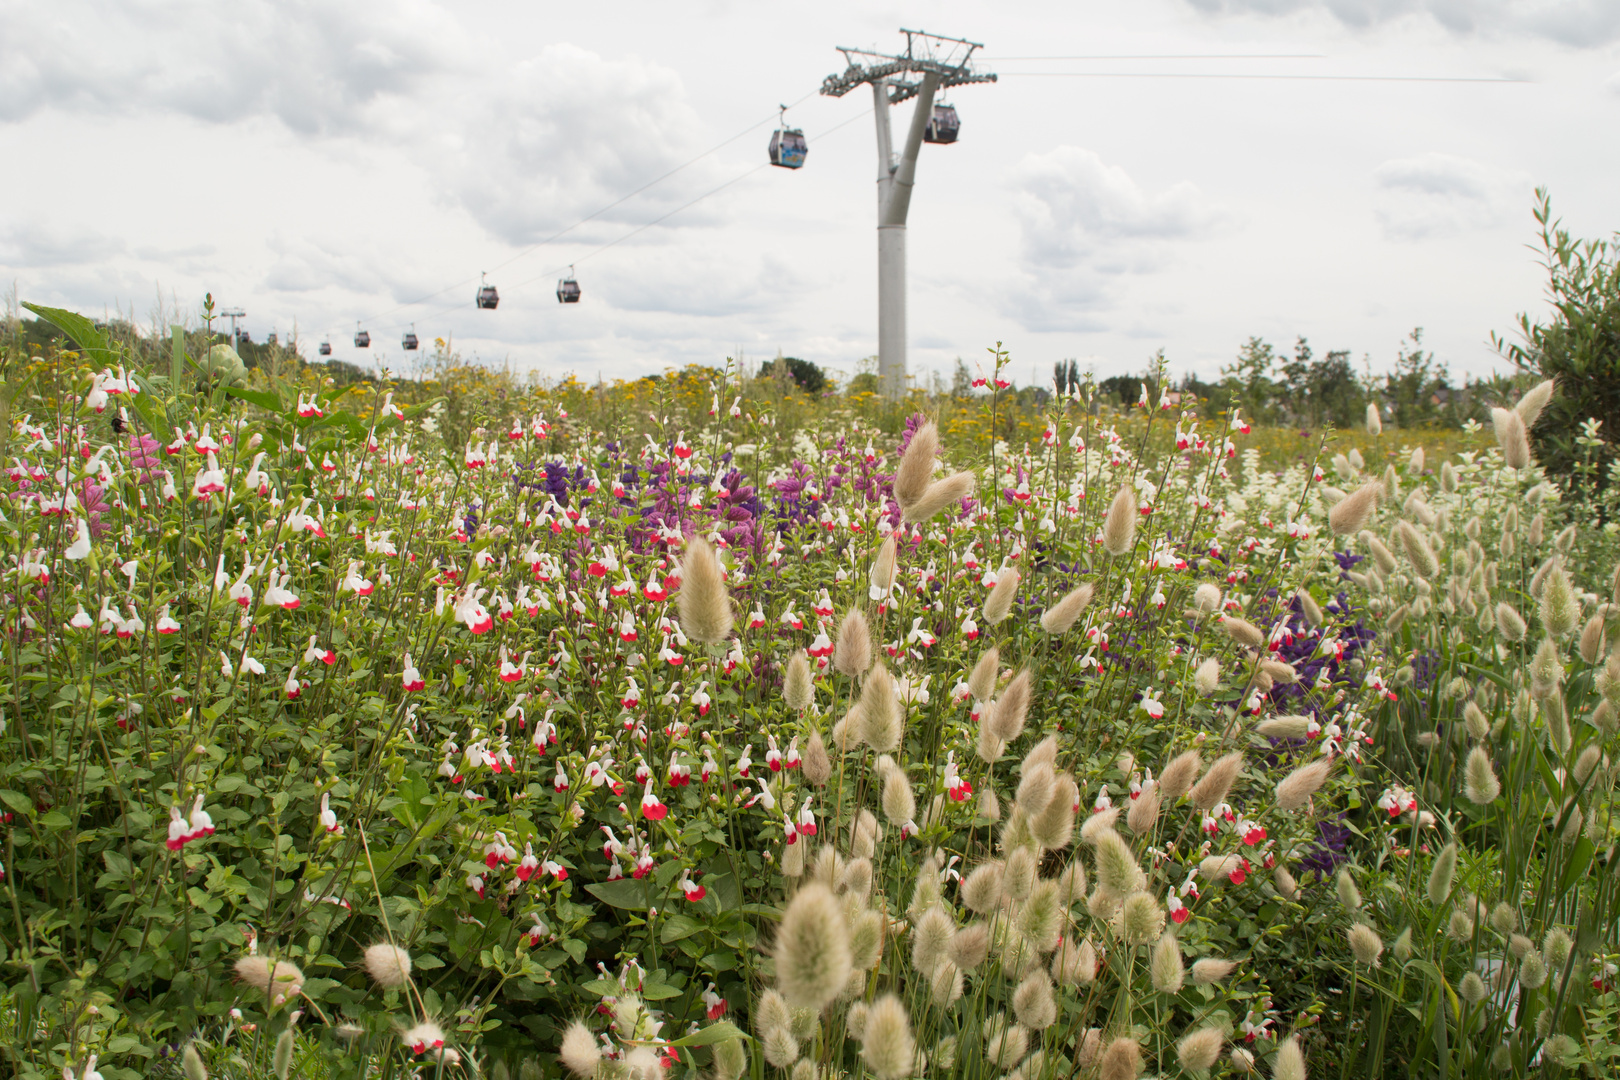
1166 56
640 228
598 213
1256 75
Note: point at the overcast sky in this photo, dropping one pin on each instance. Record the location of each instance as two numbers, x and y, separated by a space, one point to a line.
319 163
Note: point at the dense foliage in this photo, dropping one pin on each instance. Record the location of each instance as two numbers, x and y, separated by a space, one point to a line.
688 725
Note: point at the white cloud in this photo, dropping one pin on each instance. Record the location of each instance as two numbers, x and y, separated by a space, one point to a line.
1613 84
35 243
1084 223
315 66
1436 195
563 134
1577 23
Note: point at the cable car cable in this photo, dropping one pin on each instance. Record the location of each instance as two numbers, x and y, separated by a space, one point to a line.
598 213
644 227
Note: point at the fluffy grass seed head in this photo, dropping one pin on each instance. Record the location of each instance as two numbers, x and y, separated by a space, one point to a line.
1053 827
1480 784
886 1042
1119 527
1296 789
1365 944
981 889
938 496
1166 968
1290 1061
1141 918
1418 551
1375 424
1211 969
1144 812
1558 609
192 1066
1217 781
1000 600
815 764
1033 1001
1243 631
1035 786
1199 1051
1006 721
852 655
1062 615
1122 1060
1509 623
388 965
1178 776
1041 917
1555 947
1117 868
1207 677
1207 598
1512 437
730 1059
884 569
1351 513
1442 874
1004 1043
579 1052
1284 727
881 720
916 468
1286 886
797 687
1472 988
812 949
705 606
1475 721
982 680
1534 400
931 940
281 1057
1594 639
1349 895
899 804
970 946
1311 609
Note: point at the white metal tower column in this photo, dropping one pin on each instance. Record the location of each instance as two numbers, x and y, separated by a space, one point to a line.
896 177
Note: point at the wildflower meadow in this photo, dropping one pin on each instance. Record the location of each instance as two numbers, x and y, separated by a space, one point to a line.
684 731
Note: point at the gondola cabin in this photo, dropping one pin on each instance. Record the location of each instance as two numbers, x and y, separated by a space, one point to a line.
409 344
362 339
943 126
326 348
488 298
568 290
788 148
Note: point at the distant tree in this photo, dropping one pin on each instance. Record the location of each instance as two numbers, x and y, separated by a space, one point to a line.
1579 345
1248 378
810 378
961 380
1121 389
1418 391
1334 394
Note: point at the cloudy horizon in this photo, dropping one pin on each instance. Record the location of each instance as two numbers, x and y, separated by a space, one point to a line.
328 165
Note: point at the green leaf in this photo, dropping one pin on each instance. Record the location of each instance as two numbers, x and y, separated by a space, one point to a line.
1579 859
77 327
16 801
263 399
677 927
718 1032
626 893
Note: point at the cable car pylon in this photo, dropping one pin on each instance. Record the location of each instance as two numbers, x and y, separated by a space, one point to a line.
929 64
